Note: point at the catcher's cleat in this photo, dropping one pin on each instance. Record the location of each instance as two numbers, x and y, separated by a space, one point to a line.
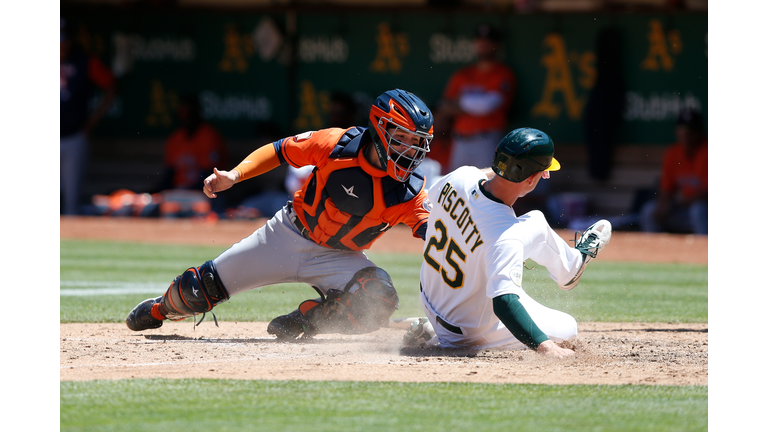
290 326
589 244
420 333
141 317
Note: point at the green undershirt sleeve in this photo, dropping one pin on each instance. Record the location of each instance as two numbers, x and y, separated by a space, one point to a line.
514 316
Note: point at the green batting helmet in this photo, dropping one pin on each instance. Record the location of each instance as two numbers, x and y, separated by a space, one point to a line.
524 152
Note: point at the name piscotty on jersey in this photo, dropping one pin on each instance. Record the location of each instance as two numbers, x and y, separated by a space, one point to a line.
457 209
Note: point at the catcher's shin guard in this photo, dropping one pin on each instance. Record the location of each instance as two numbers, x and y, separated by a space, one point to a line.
364 305
195 291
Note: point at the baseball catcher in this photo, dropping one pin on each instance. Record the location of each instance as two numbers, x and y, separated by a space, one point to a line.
364 181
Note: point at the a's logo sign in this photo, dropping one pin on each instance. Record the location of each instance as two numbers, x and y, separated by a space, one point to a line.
663 47
391 49
238 48
560 82
194 291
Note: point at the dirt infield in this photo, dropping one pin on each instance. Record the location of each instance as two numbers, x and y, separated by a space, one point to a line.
606 353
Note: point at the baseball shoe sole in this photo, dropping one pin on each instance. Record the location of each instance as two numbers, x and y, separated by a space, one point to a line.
594 239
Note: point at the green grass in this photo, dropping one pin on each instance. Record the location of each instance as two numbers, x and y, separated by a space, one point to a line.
89 265
628 292
110 273
233 405
609 291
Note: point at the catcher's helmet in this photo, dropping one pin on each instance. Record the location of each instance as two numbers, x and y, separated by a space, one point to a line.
402 110
524 152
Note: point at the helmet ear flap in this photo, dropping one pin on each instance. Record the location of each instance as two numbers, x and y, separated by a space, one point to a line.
522 153
374 128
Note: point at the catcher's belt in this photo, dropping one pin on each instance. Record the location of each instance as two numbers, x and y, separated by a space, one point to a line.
302 229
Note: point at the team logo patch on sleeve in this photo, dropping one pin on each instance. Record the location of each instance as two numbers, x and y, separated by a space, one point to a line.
303 136
517 277
427 205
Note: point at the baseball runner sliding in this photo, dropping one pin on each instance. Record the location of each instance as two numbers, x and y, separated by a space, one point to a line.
476 245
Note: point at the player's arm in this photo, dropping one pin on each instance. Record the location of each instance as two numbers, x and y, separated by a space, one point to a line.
260 161
416 214
308 148
517 320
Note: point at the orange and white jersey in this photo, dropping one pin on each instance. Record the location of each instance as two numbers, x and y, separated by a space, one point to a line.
347 203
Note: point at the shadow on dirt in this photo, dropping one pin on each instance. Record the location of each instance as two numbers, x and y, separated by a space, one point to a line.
207 340
438 352
675 330
258 340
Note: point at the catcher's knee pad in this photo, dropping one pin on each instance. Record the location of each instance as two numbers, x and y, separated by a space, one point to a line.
195 291
365 304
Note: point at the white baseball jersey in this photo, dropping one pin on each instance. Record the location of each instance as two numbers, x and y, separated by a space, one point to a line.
474 251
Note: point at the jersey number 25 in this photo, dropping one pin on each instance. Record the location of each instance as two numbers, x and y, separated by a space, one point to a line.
452 249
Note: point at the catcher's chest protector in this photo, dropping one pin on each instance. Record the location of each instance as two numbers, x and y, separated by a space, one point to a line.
346 203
